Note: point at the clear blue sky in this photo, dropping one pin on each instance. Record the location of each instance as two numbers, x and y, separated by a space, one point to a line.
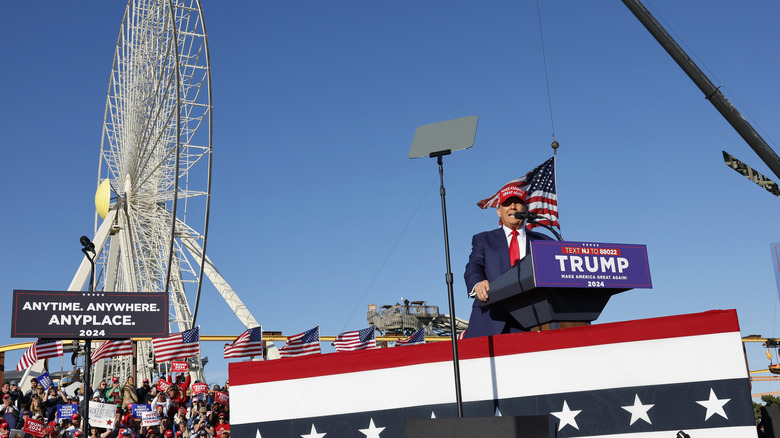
317 211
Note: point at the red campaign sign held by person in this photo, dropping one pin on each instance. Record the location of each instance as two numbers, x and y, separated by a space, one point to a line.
162 385
222 397
33 427
178 366
200 388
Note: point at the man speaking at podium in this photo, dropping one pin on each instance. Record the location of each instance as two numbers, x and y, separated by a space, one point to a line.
492 254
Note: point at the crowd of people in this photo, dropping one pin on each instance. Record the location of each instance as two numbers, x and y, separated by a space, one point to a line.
180 413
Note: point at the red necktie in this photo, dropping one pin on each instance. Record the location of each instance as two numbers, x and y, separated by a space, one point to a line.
514 249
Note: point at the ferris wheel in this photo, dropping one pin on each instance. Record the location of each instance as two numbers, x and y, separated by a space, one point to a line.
154 172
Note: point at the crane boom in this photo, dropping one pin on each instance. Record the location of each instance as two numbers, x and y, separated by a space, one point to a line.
711 92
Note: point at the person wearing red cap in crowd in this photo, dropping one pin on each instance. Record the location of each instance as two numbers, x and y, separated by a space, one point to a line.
116 393
178 398
75 426
8 411
168 433
4 428
490 257
163 402
180 419
222 424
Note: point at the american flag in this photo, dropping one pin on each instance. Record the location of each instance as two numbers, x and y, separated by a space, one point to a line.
302 344
110 349
417 337
541 196
40 349
250 343
358 340
178 346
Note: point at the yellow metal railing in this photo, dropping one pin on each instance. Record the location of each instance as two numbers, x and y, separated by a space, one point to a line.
25 345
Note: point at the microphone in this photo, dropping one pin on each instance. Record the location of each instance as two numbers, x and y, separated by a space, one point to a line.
526 215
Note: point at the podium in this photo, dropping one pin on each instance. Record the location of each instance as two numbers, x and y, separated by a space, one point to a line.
568 283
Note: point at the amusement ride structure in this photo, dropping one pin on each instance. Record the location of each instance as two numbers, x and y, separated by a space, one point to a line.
154 172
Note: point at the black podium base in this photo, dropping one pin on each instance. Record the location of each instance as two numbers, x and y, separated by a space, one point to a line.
526 426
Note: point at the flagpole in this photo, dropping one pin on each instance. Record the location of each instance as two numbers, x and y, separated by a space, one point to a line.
555 177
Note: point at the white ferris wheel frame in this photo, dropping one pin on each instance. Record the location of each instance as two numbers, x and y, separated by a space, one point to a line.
157 157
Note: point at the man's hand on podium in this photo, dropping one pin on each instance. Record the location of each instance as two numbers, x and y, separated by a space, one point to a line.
481 290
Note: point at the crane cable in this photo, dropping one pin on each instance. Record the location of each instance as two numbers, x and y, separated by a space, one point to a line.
554 144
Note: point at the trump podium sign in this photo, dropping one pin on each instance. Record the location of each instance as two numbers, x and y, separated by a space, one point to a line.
590 265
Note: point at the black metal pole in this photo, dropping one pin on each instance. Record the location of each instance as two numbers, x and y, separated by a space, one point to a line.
552 230
89 247
711 92
87 385
454 335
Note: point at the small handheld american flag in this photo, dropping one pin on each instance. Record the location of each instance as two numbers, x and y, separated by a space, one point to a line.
417 337
357 340
250 343
302 344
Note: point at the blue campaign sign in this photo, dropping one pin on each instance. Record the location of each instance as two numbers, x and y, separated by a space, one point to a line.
66 411
139 409
45 381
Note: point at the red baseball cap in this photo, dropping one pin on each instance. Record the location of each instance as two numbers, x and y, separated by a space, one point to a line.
510 191
168 433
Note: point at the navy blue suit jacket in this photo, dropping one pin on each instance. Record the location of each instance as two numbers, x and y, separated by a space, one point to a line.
490 258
